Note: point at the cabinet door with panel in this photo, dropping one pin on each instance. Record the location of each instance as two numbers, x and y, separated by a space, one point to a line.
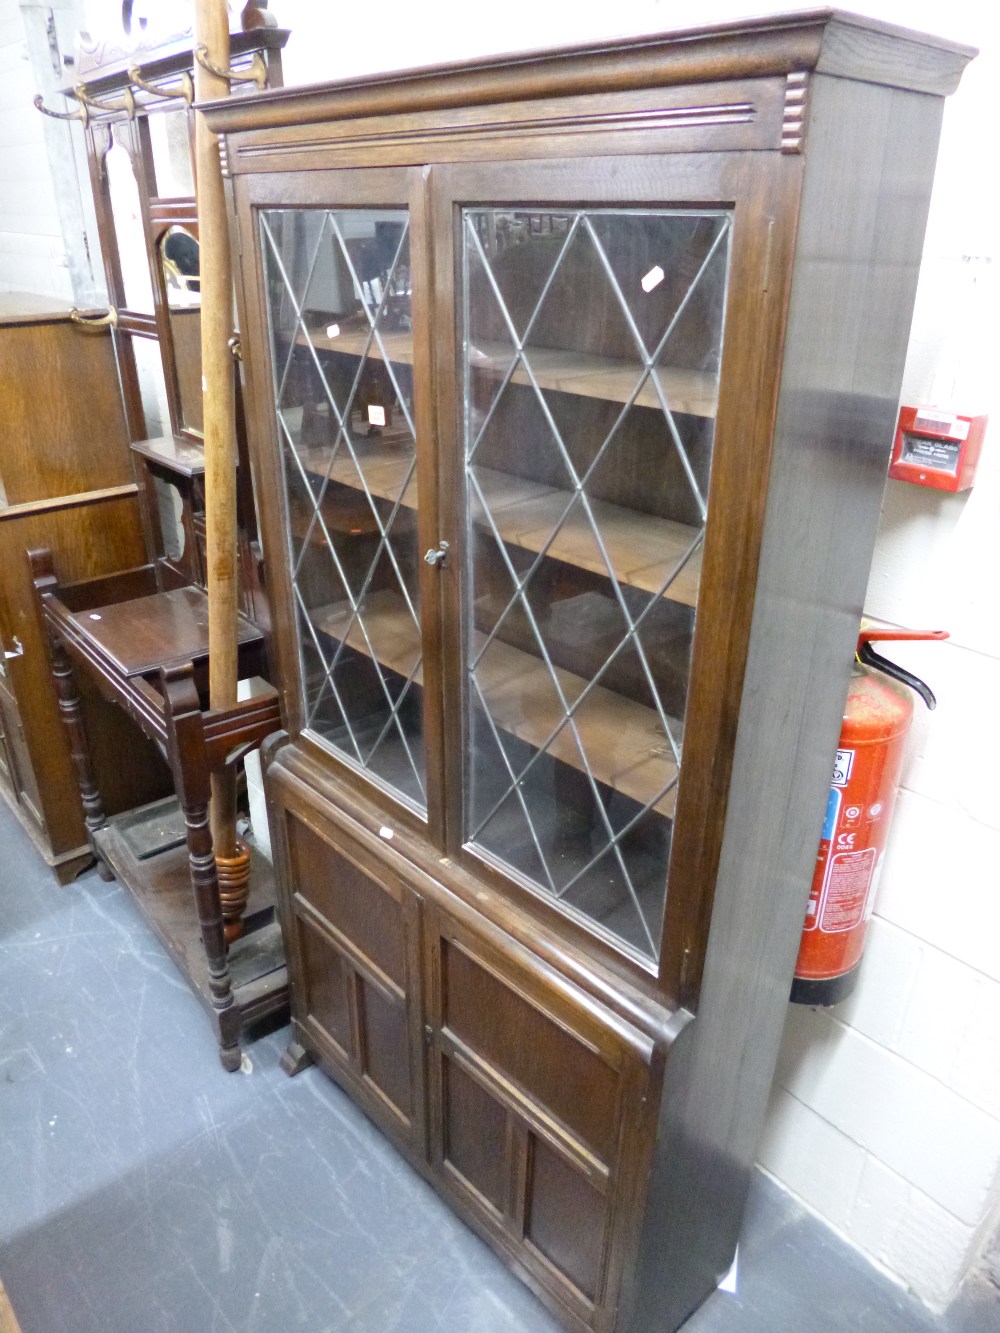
572 379
352 927
538 1103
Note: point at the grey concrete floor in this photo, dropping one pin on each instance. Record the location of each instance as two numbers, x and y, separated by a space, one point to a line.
143 1190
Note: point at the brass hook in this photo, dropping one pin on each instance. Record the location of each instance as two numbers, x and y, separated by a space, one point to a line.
127 103
183 89
257 73
81 113
110 320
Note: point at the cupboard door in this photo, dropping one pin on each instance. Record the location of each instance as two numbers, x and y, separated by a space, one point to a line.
356 990
535 1108
17 758
340 306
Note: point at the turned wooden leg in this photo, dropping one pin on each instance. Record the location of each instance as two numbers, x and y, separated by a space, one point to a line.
186 745
205 886
71 712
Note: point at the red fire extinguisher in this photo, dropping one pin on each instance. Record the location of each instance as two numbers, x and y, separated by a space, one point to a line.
865 778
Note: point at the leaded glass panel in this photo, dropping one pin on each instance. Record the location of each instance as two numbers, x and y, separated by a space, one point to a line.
339 311
591 345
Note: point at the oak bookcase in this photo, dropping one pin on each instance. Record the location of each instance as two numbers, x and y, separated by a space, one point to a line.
572 378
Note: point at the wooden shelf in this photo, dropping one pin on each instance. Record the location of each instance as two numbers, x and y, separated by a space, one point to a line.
690 391
624 742
641 547
161 886
384 464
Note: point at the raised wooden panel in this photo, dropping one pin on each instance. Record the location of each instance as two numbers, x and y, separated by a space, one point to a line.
357 1005
475 1135
327 997
358 906
554 1067
566 1217
382 1021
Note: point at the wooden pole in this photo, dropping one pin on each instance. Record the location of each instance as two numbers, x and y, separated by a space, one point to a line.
212 32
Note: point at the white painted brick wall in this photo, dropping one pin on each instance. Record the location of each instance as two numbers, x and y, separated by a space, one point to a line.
32 250
908 1070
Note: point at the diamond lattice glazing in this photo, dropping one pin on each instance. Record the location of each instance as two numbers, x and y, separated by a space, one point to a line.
339 304
592 346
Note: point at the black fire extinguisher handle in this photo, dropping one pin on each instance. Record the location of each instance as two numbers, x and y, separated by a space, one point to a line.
868 655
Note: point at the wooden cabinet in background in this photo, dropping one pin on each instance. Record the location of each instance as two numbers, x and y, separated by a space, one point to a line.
66 472
572 386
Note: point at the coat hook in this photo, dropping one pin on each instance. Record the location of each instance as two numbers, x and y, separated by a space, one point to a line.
108 320
127 103
183 89
257 73
81 113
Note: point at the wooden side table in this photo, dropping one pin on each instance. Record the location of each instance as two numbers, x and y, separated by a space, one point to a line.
147 651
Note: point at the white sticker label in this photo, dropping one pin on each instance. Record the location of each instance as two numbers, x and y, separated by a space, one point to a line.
333 330
376 415
842 767
653 278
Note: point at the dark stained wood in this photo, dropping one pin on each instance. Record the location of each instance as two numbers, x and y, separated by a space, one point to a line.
190 766
161 886
363 911
164 630
591 1113
175 331
833 430
163 63
844 44
90 534
174 453
566 1220
476 1131
526 1046
122 648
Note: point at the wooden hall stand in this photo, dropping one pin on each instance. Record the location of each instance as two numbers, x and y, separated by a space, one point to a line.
147 652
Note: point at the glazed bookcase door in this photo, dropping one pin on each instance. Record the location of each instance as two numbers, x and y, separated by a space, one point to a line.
589 352
341 303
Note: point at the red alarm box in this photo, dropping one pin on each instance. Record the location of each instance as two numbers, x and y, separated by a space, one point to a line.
937 448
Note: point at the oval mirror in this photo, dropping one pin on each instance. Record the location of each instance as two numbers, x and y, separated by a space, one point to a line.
180 265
